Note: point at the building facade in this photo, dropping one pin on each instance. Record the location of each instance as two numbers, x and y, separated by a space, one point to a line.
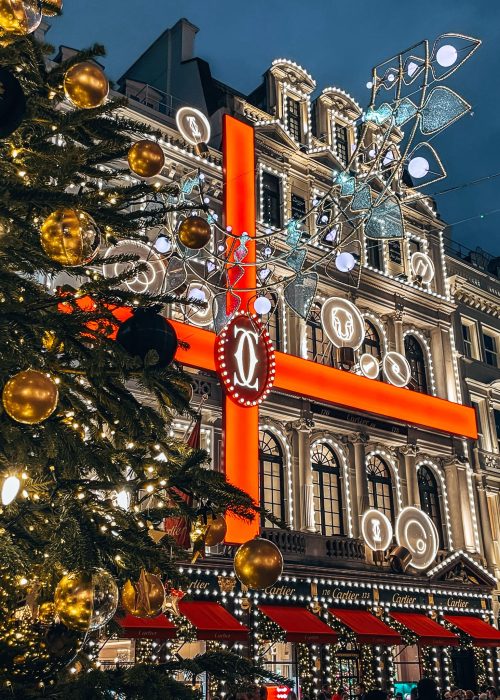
322 466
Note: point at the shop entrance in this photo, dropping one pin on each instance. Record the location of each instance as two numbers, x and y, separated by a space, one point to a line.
346 672
463 669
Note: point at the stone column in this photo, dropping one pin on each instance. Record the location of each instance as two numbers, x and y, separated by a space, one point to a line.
360 503
467 508
303 479
398 329
441 370
454 501
409 453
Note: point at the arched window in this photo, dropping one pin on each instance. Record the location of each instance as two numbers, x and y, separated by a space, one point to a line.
415 356
319 347
272 477
429 498
371 343
272 321
327 490
380 486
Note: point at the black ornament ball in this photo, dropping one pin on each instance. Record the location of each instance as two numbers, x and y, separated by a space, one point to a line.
63 643
12 103
147 331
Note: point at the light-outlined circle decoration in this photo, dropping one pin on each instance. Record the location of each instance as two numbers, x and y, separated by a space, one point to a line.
342 323
200 316
369 366
193 125
376 529
422 267
396 368
417 533
245 359
150 279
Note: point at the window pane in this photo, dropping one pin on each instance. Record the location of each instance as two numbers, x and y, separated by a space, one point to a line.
271 476
341 143
380 486
415 356
496 414
293 118
271 199
395 252
328 490
490 350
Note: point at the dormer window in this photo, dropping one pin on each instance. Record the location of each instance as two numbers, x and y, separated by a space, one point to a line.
293 120
342 143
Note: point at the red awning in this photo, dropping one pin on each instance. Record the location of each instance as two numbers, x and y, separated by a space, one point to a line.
481 633
429 632
368 628
300 624
213 622
146 628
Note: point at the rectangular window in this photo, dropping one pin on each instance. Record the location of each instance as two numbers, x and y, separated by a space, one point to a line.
466 335
490 349
271 200
373 254
342 143
496 415
298 207
395 252
293 118
469 337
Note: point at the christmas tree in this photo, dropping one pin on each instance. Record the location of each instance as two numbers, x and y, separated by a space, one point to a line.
87 471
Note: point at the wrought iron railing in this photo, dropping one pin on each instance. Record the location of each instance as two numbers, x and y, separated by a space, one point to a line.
155 99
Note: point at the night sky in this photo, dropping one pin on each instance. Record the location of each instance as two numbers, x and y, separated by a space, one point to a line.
338 43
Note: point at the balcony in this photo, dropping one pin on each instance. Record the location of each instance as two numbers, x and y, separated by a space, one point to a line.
490 461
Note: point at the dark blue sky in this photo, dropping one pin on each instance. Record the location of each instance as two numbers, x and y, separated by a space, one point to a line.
338 43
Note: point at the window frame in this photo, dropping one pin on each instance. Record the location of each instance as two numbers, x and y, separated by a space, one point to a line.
270 197
472 343
294 118
274 459
488 352
427 489
374 479
314 323
332 469
419 370
342 144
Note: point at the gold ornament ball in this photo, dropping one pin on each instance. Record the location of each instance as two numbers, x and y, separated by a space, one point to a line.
145 597
86 600
70 237
46 613
194 232
20 17
217 528
146 158
258 564
51 8
85 85
30 397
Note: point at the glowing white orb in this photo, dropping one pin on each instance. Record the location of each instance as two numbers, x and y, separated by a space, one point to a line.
197 294
262 306
418 167
345 262
10 489
162 244
369 85
123 499
446 56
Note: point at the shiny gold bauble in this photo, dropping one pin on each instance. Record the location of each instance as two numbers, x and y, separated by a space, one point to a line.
85 85
46 613
30 397
20 17
194 232
146 158
70 237
145 597
258 564
217 528
86 600
51 8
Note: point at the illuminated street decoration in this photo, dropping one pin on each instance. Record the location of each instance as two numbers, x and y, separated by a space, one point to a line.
422 267
194 127
417 533
342 323
149 279
369 366
376 529
245 360
396 369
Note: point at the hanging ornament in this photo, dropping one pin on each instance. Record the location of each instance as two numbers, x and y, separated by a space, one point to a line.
51 8
146 158
85 601
194 232
30 397
199 528
172 598
62 643
70 237
10 489
85 85
145 331
258 564
12 102
217 528
20 17
46 613
144 598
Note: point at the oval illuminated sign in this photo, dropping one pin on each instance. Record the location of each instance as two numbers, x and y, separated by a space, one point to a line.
396 369
193 125
376 529
416 531
342 323
245 360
